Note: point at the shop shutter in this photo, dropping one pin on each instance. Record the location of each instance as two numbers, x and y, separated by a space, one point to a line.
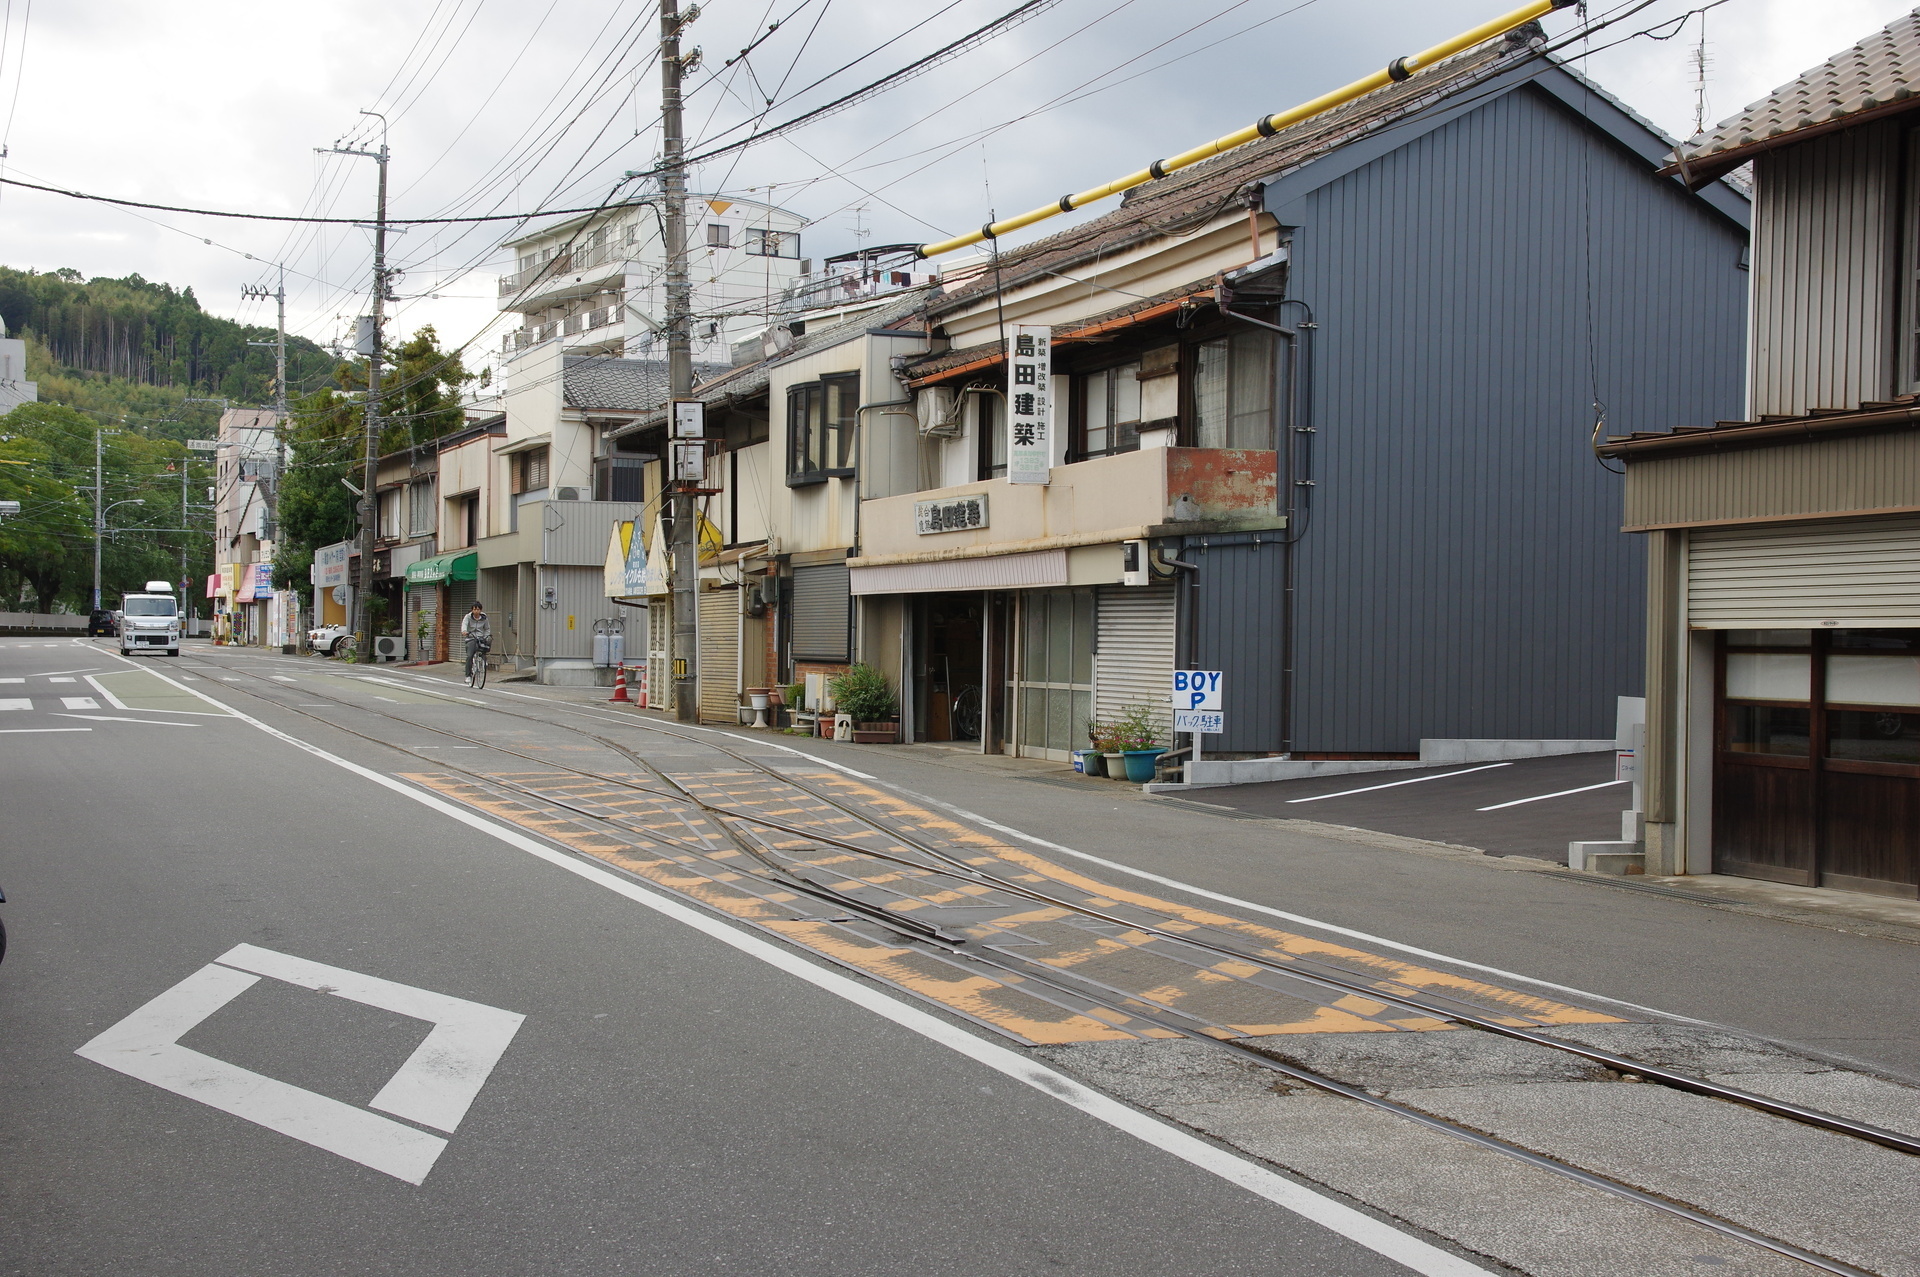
719 621
424 604
1133 655
1861 574
822 613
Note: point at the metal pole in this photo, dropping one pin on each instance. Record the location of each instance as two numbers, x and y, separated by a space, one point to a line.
99 515
684 560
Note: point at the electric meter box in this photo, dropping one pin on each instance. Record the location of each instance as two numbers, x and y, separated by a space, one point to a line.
1134 569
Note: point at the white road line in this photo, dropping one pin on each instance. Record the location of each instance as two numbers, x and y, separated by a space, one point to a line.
50 673
60 680
79 702
1538 798
111 718
1357 1226
24 731
101 688
1390 784
12 680
15 702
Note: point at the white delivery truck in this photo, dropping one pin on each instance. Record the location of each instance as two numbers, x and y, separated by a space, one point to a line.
150 620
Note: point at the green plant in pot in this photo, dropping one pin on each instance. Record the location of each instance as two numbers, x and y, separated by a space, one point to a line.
862 694
1139 739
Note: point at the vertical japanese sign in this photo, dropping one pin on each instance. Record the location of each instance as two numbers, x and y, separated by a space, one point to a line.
1030 404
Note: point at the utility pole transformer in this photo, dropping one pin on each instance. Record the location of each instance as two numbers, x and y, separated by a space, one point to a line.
369 345
684 558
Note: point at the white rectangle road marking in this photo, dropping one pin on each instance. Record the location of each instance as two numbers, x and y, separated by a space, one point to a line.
437 1084
15 702
79 702
1368 789
25 731
12 680
146 1046
1537 798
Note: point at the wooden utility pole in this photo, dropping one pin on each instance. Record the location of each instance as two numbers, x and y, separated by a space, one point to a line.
684 557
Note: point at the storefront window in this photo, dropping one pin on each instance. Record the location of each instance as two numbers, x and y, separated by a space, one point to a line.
1871 736
1768 729
1769 638
1769 676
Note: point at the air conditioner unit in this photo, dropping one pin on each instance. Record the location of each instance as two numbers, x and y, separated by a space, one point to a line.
389 647
566 494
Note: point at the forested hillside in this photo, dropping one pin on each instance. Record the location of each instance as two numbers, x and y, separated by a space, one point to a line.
145 335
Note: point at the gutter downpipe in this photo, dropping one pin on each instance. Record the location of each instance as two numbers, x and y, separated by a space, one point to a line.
1300 431
1266 126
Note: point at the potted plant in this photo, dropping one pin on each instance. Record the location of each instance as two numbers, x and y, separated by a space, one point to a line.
1093 762
420 631
1139 743
862 694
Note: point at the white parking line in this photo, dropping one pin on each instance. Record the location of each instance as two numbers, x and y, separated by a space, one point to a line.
1390 784
1537 798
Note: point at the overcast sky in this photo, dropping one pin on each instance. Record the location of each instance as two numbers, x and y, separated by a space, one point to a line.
517 105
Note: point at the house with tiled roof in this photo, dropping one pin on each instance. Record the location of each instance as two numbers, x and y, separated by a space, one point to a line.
1783 632
1323 411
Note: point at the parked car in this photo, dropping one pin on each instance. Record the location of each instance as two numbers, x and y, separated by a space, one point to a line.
326 639
102 624
154 623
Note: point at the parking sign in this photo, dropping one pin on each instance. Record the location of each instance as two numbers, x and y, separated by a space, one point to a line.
1196 689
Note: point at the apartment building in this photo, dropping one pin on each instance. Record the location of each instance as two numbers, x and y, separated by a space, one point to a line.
596 284
244 473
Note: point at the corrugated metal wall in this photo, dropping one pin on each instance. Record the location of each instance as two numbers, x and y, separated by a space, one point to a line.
1232 608
1825 272
579 599
576 533
1840 475
1461 572
1133 650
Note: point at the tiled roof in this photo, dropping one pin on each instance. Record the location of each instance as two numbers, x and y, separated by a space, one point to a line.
1198 194
1878 76
624 385
950 363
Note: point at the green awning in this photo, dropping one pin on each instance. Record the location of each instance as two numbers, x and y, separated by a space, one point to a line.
462 565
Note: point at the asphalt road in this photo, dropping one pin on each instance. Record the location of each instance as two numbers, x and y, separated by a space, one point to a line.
670 1103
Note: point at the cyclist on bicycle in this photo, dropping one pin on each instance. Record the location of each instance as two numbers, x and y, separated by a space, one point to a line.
477 630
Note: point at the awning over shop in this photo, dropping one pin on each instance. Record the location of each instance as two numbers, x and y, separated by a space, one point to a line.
462 565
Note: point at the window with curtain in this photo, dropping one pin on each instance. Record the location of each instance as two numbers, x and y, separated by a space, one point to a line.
420 508
820 428
1110 410
1232 392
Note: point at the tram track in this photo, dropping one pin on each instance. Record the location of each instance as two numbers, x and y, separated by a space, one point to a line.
732 823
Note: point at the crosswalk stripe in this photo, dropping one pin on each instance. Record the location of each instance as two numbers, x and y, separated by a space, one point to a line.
16 704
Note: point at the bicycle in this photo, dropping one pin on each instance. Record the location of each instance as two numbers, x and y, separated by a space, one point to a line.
477 665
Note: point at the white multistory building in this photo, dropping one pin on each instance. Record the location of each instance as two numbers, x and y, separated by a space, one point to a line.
15 389
597 283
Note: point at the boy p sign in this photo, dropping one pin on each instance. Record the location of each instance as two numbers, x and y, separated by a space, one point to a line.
1196 702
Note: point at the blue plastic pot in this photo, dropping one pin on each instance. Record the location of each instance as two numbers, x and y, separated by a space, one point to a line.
1141 763
1089 762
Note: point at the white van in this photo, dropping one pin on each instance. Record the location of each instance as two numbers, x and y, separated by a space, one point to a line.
150 620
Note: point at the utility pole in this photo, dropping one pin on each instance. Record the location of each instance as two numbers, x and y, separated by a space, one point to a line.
684 557
99 513
369 345
279 344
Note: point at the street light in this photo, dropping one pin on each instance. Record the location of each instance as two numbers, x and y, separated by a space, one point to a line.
99 526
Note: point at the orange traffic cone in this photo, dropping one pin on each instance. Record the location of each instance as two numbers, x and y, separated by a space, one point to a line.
620 696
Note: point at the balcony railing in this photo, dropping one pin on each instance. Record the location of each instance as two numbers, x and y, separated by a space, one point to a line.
569 263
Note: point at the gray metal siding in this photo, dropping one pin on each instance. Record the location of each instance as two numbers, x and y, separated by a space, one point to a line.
1825 271
1461 572
1232 610
579 593
576 533
822 613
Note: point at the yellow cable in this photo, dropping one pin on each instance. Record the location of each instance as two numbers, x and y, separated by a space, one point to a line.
1399 69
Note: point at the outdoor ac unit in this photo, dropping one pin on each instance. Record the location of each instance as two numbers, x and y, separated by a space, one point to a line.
566 494
389 647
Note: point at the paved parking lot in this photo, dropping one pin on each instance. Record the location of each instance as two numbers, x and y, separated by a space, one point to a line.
1530 807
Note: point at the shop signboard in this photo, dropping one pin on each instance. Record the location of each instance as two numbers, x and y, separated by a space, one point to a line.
951 514
1197 704
330 564
1029 404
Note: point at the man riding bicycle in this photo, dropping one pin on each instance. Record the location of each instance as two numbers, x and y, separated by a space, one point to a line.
477 630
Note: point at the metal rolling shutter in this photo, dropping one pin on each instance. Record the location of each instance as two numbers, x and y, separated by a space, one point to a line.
822 613
719 644
1133 656
424 602
461 596
1796 576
